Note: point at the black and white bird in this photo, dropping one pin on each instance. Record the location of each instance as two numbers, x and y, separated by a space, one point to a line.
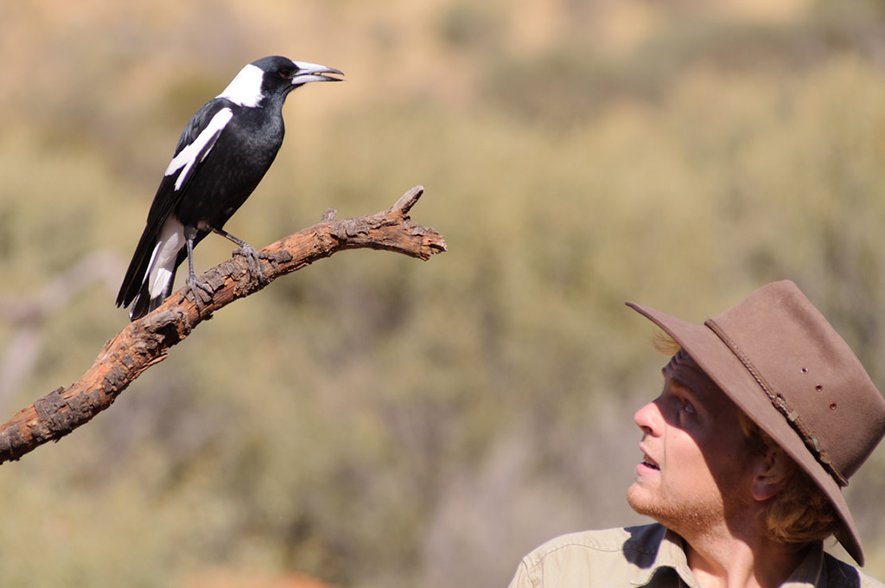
223 153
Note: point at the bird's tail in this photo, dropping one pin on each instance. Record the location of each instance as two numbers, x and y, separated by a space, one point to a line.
144 302
153 279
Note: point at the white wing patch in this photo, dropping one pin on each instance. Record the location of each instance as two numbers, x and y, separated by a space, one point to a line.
245 88
188 157
162 262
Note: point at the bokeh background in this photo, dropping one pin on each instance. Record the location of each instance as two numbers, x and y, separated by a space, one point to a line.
374 421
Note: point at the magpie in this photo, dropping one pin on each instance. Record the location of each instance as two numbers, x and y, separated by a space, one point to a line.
223 153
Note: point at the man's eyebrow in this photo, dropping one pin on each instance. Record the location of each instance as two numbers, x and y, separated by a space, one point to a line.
683 388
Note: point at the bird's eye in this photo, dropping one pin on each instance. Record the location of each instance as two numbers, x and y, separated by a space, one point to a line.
285 73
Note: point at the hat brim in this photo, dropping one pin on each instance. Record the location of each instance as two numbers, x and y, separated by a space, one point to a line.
727 371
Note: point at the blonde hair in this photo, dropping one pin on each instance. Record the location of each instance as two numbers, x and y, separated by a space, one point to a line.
800 512
664 343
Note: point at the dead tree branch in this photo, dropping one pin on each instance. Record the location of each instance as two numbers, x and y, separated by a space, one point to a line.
147 341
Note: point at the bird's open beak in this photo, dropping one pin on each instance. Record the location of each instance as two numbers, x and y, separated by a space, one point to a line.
313 72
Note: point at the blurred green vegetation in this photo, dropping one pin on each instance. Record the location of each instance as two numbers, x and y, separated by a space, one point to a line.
372 420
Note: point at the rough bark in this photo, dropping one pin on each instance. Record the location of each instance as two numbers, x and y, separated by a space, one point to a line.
147 341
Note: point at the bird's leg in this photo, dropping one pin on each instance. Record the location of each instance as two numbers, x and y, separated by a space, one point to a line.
246 250
190 235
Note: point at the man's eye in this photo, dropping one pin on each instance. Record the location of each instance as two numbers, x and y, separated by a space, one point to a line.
686 407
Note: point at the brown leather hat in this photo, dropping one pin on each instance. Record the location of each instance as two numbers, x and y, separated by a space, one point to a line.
780 361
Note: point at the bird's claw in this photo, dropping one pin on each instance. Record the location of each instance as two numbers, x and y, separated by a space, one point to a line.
253 260
199 291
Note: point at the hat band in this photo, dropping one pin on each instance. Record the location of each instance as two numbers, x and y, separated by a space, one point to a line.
780 403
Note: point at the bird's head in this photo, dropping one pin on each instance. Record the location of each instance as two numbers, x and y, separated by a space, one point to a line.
275 76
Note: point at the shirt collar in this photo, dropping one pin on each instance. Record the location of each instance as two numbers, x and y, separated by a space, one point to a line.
671 554
809 571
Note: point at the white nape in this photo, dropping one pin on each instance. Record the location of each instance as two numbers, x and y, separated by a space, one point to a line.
245 89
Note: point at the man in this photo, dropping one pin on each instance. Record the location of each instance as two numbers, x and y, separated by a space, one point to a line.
764 416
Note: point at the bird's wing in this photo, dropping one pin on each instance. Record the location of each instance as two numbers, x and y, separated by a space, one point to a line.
197 140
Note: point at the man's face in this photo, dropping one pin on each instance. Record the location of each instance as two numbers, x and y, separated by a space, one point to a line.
695 456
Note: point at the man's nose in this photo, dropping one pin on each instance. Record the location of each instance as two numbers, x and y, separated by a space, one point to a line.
649 419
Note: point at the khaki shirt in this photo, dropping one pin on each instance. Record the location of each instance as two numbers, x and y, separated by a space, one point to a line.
651 556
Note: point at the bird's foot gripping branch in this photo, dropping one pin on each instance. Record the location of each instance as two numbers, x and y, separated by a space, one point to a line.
147 341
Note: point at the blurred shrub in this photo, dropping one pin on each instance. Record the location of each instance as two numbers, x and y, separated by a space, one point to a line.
372 419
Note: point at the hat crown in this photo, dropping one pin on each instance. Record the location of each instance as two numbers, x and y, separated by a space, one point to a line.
811 372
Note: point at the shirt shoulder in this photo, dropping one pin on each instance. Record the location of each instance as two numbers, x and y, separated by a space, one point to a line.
641 540
610 557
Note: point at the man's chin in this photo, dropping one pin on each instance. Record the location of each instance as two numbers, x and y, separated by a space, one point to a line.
648 503
639 500
681 517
